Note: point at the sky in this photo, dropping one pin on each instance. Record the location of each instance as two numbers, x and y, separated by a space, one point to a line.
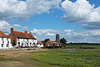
75 20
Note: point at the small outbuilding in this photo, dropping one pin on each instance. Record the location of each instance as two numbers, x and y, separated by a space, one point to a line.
40 44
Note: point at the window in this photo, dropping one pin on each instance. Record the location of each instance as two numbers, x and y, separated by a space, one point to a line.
1 45
7 39
30 44
3 42
27 43
7 45
19 43
22 43
8 42
2 38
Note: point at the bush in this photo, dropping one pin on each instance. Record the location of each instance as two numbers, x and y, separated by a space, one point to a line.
87 47
64 45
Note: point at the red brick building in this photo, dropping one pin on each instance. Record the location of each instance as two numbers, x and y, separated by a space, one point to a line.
52 44
22 39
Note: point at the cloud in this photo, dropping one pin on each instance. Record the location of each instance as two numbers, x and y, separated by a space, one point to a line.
90 36
5 26
23 9
44 32
50 34
17 25
68 30
83 12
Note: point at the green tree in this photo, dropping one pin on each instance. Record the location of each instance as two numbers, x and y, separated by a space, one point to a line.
43 43
63 41
46 40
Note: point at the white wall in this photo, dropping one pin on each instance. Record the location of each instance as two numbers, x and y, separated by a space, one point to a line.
5 41
39 45
26 42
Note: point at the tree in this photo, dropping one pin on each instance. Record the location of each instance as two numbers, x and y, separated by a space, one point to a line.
63 41
46 40
43 43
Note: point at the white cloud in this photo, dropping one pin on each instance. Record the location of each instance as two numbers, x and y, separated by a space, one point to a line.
82 12
50 34
25 9
17 25
91 36
44 32
68 34
68 30
5 26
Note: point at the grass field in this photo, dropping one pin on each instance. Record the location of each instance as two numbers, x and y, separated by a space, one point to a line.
70 57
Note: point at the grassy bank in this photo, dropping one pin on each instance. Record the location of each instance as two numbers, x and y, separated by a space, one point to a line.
69 57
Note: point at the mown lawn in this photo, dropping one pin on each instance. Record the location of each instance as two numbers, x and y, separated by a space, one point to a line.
69 57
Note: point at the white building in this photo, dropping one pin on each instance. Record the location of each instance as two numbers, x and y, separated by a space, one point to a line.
5 41
20 39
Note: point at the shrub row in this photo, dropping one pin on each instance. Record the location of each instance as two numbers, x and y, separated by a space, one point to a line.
87 47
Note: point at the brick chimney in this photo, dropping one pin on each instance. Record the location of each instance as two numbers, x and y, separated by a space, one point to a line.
25 31
12 29
30 33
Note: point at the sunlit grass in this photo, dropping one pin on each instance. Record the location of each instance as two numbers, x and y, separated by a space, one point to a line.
70 58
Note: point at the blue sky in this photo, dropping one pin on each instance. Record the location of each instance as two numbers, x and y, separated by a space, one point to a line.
75 20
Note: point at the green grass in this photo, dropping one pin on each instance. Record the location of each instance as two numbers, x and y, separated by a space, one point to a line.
69 57
83 46
7 59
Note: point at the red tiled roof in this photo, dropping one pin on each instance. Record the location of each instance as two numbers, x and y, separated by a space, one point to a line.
56 43
39 42
23 35
3 35
50 43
